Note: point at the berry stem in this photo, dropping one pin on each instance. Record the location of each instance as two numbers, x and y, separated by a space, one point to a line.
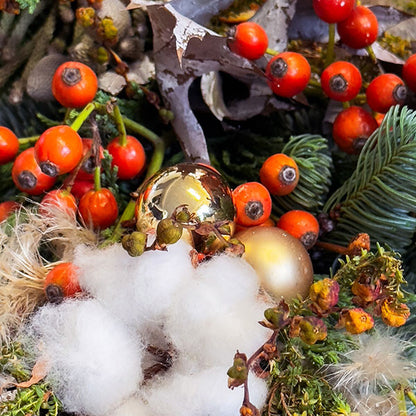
28 140
120 125
82 116
371 54
272 52
97 178
158 143
331 43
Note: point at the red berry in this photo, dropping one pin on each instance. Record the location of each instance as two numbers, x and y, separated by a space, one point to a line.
301 225
385 91
58 150
58 199
351 129
9 145
80 187
74 84
359 29
61 281
409 72
98 208
341 81
130 159
249 41
333 11
279 174
253 204
288 73
6 208
27 176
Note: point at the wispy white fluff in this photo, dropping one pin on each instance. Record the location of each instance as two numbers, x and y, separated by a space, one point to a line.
365 374
95 362
202 316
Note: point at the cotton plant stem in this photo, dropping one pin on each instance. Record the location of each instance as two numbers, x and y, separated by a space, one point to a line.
331 44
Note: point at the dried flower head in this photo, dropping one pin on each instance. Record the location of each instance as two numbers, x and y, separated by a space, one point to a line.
394 313
309 329
355 320
324 296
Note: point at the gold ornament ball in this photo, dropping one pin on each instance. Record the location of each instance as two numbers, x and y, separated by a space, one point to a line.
200 187
281 262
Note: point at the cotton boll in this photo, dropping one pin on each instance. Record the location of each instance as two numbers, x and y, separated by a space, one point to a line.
133 406
94 361
217 313
137 289
199 394
234 278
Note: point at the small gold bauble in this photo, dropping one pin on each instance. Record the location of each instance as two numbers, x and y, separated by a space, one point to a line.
281 262
201 188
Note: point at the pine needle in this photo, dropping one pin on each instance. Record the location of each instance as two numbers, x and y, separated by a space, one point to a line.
380 196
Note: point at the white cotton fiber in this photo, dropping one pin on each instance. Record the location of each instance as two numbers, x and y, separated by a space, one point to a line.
132 406
144 310
204 392
139 290
94 361
218 312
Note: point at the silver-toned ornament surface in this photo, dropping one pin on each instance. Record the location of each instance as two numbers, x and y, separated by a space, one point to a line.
200 187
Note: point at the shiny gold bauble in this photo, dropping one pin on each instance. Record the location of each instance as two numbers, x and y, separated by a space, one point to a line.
201 188
281 262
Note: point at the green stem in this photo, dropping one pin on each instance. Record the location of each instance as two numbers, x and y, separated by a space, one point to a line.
158 143
401 401
67 114
28 140
371 54
97 178
331 44
346 104
82 116
120 125
411 396
272 52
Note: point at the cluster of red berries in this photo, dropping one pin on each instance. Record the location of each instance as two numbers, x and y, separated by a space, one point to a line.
279 176
289 73
60 150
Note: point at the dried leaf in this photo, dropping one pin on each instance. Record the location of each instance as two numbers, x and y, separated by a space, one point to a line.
39 372
211 89
184 51
111 82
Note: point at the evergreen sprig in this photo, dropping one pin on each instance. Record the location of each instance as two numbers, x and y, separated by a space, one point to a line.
380 196
312 156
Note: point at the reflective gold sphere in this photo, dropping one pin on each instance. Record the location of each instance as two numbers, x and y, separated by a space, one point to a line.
201 188
282 263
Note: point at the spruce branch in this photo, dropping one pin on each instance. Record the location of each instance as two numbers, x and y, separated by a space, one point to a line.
380 196
311 154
